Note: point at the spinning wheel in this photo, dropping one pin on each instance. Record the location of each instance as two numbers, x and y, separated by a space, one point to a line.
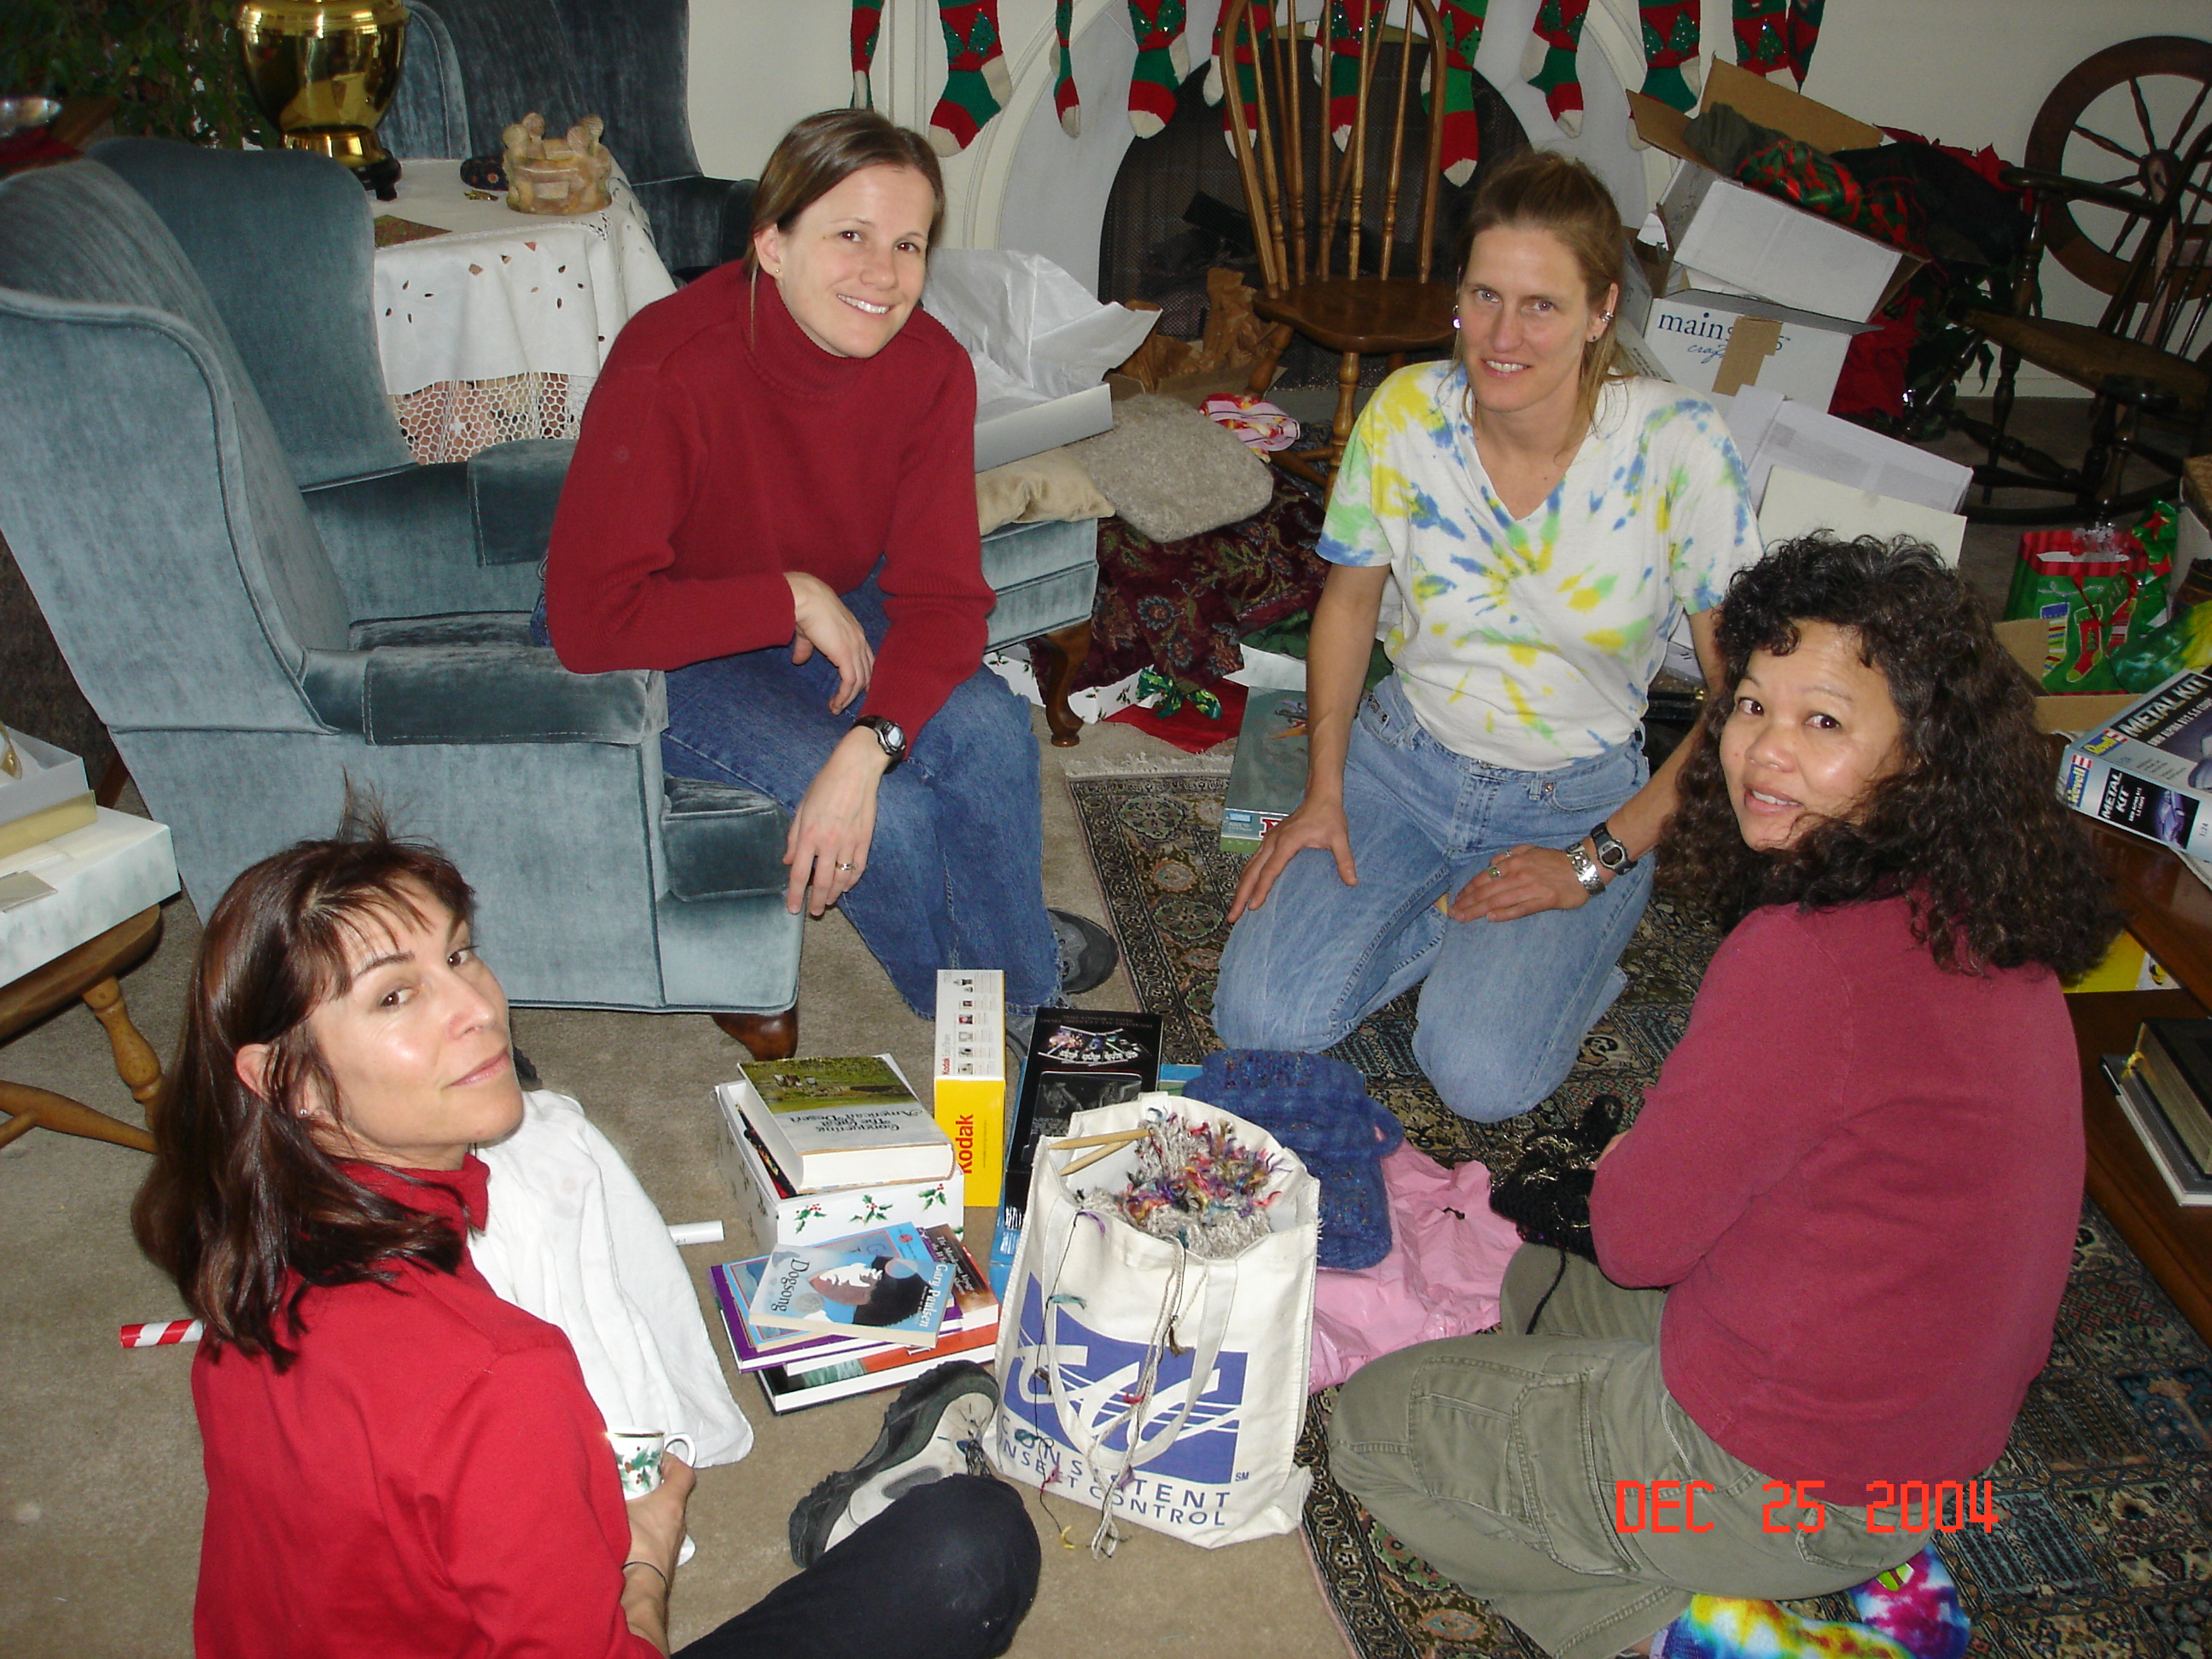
2123 117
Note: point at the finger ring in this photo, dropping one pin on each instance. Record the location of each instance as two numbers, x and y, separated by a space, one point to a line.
848 866
1497 873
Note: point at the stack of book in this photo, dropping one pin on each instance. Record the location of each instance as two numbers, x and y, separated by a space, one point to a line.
842 1316
2163 1087
816 1149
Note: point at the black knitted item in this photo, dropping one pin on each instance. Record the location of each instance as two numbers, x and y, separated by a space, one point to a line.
1319 1107
1546 1194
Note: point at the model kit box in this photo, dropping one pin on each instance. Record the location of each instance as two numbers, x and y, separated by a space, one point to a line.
970 1075
1267 779
2150 772
780 1214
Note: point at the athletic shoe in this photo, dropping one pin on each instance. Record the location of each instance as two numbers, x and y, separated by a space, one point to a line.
935 1428
1088 954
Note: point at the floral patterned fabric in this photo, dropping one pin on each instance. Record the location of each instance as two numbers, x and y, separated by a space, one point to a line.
1181 606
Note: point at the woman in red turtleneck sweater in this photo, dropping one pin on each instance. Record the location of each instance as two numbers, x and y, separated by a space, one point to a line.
772 498
400 1464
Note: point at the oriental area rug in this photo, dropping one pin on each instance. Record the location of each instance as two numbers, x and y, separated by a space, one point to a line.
2105 1490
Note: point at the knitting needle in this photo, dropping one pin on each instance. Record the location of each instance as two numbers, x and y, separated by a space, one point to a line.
1089 1158
1111 1138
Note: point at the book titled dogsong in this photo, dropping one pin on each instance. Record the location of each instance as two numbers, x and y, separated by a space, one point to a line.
839 1123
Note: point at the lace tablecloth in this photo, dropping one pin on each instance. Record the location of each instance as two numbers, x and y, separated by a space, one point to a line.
496 330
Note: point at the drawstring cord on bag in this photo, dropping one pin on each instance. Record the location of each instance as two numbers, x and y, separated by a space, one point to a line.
1103 1541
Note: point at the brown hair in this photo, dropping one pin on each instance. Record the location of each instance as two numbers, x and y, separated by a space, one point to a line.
1542 189
244 1208
822 152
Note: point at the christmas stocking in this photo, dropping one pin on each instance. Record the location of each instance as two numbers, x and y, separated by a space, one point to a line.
1548 60
1338 69
1240 54
1670 51
1762 35
867 27
1066 102
975 81
1462 135
1163 60
1804 35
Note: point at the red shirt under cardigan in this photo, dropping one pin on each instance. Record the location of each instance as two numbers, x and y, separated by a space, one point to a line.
722 448
429 1477
1861 1177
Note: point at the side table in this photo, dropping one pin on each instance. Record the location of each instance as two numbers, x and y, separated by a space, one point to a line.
2170 911
88 973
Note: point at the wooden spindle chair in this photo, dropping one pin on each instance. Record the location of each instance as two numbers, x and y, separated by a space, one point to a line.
1328 232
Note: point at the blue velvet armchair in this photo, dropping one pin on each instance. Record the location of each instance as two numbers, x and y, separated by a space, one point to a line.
475 66
265 600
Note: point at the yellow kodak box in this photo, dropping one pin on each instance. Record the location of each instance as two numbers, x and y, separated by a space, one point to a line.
971 1076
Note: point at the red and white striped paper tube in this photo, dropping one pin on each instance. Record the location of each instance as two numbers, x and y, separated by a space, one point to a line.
160 1334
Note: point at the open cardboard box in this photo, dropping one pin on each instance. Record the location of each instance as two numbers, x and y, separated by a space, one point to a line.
1758 242
1717 342
2024 637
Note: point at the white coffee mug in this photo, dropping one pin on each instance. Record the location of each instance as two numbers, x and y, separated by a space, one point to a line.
637 1456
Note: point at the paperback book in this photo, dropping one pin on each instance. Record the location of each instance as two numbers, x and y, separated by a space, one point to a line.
2189 1185
790 1388
1268 778
969 1307
887 1281
839 1122
2151 771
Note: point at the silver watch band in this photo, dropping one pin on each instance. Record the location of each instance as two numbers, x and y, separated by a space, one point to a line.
1586 870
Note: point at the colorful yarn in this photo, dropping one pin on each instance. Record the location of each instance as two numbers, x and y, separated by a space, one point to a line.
1198 1184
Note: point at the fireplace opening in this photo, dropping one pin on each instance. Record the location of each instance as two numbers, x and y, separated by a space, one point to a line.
1177 210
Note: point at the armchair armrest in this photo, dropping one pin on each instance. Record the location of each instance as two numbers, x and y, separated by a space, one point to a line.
482 694
512 490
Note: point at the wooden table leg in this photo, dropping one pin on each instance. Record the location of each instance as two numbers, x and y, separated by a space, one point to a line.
49 1110
1055 657
134 1056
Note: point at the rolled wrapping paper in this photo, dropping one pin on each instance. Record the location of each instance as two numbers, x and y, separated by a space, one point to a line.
695 1232
160 1334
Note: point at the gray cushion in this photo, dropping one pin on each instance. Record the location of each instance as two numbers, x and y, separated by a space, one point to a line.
1171 473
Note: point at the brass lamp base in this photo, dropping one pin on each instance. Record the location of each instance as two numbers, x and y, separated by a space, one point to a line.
376 166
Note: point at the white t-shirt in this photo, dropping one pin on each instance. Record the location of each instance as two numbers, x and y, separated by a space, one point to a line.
1530 643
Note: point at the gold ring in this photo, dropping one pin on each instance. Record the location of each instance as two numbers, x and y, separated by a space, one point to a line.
848 866
1495 873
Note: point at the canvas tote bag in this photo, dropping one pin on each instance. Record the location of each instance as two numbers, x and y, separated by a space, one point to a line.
1143 1381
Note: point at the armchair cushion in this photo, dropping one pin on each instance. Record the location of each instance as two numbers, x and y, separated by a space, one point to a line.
1045 575
512 490
722 841
412 543
475 680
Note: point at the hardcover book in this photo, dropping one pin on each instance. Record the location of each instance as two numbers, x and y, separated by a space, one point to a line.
779 1214
887 1280
839 1122
2151 771
789 1389
1268 778
2168 1157
2173 1061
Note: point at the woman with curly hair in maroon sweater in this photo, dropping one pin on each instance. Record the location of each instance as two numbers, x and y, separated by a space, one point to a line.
1830 1250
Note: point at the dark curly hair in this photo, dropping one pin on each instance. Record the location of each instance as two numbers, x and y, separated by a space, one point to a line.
1969 826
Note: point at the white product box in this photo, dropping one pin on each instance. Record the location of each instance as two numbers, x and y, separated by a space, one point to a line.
777 1220
969 1076
1722 342
100 875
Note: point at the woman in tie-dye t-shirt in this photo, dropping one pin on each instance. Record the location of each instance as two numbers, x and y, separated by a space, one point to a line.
1535 523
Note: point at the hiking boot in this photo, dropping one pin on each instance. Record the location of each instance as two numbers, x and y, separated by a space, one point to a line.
1088 954
935 1428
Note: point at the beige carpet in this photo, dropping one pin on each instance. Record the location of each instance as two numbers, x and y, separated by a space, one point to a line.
100 1486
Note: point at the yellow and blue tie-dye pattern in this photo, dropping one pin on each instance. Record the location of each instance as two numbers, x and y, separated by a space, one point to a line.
1529 642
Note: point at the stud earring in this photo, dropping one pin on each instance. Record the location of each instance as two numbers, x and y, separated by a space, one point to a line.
1454 320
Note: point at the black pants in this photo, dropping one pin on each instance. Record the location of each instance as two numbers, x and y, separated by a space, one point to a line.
944 1573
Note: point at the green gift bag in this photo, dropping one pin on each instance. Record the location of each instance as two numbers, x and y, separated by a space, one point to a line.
2088 597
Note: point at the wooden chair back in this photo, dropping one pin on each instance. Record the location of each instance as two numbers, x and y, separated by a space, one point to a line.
1320 212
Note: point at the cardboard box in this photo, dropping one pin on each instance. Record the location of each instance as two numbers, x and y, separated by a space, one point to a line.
970 1075
2026 639
1771 431
777 1217
1722 342
1760 243
52 790
1797 504
2149 771
1010 431
100 875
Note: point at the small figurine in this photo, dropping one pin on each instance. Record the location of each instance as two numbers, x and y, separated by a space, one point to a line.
556 175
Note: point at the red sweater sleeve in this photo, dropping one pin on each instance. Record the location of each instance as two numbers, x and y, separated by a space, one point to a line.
611 597
932 575
530 1526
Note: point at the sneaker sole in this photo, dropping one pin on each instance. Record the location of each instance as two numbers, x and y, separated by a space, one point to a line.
910 1425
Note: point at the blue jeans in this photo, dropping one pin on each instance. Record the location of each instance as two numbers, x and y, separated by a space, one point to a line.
956 871
1506 1003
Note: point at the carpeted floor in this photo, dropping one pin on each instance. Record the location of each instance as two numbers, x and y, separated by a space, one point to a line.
2106 1547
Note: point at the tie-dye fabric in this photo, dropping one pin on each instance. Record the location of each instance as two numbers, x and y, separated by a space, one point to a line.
1529 643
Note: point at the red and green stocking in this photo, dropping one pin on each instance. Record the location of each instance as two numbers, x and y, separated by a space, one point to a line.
975 81
1548 60
1163 60
1804 35
1248 91
1462 135
1762 35
1066 103
1670 51
1338 69
867 28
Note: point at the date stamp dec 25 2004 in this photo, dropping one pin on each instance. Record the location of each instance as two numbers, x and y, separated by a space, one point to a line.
1906 1506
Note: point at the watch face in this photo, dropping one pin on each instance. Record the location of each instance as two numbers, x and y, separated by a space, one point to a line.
1611 854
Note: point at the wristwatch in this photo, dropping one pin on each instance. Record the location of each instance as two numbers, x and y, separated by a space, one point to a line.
1610 851
1586 870
890 733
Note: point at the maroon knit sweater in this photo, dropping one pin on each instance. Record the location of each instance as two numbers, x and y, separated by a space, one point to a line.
1860 1176
722 448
